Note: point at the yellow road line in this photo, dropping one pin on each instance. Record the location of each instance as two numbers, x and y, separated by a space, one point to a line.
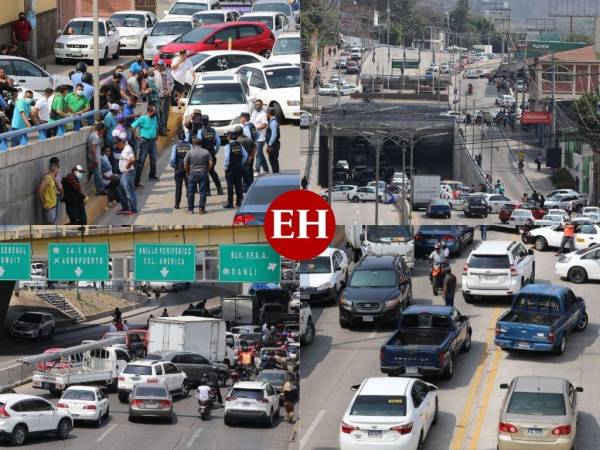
487 392
461 426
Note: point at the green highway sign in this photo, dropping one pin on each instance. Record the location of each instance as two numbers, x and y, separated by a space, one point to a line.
71 262
15 262
164 262
241 263
406 63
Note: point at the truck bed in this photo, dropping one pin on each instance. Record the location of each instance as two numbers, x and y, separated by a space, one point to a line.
427 337
523 317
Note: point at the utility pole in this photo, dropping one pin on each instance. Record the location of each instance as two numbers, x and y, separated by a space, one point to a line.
378 145
403 207
31 16
412 152
330 145
388 23
96 56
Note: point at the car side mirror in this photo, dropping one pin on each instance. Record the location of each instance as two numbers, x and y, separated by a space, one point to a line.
432 388
579 389
355 387
463 318
504 386
579 299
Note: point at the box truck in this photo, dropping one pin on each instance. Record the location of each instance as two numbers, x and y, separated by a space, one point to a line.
381 240
425 188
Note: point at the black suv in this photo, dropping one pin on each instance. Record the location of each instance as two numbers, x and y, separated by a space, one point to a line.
476 206
379 289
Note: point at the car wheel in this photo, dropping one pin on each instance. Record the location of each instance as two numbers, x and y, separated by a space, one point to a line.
18 435
59 60
309 336
269 421
107 413
185 389
104 59
278 113
583 322
467 344
435 413
449 371
577 275
468 298
118 52
344 323
355 199
123 397
98 421
63 429
421 443
227 420
560 347
540 243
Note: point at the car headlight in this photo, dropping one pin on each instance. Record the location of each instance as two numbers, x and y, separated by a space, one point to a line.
323 286
563 259
293 102
59 45
236 121
391 303
346 304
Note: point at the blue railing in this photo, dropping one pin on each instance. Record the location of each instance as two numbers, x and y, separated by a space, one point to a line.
21 137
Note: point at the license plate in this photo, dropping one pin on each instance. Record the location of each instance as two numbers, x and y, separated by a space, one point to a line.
75 415
523 344
367 318
151 405
412 371
534 431
487 277
374 433
45 385
75 52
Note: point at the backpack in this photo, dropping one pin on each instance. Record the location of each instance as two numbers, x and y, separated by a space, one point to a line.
253 131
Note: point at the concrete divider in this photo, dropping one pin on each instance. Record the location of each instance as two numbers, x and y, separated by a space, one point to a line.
15 375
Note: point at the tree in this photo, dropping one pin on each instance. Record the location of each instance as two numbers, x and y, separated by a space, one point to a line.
586 108
459 16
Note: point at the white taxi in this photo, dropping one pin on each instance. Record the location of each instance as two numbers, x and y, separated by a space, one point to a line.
85 403
76 40
580 265
586 235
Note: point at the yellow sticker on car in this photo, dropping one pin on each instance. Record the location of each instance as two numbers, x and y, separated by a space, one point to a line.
581 240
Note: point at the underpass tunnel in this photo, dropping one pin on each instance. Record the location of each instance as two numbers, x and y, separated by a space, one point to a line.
6 291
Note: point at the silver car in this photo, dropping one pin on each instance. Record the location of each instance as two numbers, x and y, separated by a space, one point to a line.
33 325
150 400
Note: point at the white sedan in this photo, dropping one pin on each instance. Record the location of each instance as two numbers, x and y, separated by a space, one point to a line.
550 219
133 27
364 194
345 89
29 75
580 266
389 413
338 192
76 41
585 236
590 210
85 403
327 89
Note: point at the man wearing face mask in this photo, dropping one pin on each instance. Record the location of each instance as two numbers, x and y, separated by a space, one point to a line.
21 118
145 129
138 65
21 31
260 122
74 198
76 102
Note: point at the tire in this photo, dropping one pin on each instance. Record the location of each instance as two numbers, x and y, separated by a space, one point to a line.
532 277
185 390
63 429
435 414
559 349
18 435
269 421
104 59
278 113
227 421
583 322
98 422
344 324
449 370
59 60
123 397
467 345
118 52
354 199
577 275
309 336
107 413
421 443
540 243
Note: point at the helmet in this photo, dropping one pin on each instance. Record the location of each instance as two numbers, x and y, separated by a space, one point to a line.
181 135
444 244
81 67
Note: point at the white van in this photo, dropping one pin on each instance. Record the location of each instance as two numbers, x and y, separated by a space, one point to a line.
355 53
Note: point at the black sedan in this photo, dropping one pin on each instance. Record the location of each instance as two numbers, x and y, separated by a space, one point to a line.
439 208
475 206
456 237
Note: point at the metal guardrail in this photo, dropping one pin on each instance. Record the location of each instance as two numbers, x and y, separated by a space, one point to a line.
463 143
21 137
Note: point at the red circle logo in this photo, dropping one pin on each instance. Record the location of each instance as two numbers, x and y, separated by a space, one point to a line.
299 225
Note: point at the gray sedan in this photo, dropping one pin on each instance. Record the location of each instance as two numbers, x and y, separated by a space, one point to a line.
150 400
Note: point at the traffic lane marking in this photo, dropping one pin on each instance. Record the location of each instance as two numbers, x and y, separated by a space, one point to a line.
194 437
106 433
311 428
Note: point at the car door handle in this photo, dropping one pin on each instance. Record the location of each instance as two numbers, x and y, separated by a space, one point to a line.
22 81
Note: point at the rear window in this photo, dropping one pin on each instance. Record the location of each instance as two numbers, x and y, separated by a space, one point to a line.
270 377
541 303
379 405
264 195
138 370
425 321
253 394
537 404
79 395
489 262
151 392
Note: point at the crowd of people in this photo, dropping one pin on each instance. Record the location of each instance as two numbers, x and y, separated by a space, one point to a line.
137 102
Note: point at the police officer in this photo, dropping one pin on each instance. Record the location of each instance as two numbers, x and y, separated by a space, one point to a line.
193 124
212 142
178 152
273 136
234 158
250 147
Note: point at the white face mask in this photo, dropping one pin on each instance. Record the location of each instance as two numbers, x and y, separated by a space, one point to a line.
79 176
79 92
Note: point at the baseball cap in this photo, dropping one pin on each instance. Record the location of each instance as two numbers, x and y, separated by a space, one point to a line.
78 168
115 107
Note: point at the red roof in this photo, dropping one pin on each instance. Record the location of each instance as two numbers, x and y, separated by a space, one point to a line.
578 55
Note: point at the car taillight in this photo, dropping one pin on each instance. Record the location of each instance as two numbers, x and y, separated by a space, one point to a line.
243 219
513 271
562 430
165 403
448 237
497 330
551 336
228 399
62 405
404 428
152 380
348 428
441 358
504 427
465 268
121 378
3 412
89 407
137 402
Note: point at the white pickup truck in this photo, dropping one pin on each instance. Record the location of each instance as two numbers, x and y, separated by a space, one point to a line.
100 367
381 240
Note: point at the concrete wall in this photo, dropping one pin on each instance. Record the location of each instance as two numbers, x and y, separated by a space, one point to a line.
464 167
22 168
46 26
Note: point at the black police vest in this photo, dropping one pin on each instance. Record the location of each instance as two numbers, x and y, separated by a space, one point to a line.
253 131
181 149
209 138
235 155
269 133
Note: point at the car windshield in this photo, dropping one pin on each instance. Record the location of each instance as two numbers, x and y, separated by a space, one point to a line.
489 262
283 78
267 20
78 395
171 28
590 249
128 20
263 195
217 94
521 213
389 233
537 404
553 218
194 36
83 28
272 7
425 320
150 391
253 394
373 278
379 405
287 46
138 370
270 377
114 334
320 264
29 317
187 9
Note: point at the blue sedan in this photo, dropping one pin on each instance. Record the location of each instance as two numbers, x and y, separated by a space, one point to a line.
439 208
456 237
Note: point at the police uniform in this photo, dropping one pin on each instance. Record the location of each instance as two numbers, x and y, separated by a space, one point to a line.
234 171
211 141
179 150
274 153
245 138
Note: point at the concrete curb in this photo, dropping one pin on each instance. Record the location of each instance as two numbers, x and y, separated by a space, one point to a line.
91 325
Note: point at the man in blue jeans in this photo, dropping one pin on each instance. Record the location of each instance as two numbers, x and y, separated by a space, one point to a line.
127 168
145 129
197 164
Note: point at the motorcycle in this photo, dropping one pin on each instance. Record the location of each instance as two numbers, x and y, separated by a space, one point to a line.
204 409
437 275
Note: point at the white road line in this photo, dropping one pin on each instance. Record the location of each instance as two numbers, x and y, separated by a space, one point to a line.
108 430
194 436
312 427
372 334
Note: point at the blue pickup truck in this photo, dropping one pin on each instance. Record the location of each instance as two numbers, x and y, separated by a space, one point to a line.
426 342
540 318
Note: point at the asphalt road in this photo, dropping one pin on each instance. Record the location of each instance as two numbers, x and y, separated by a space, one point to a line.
470 402
348 213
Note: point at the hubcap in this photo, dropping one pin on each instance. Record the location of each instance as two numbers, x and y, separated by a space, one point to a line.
19 435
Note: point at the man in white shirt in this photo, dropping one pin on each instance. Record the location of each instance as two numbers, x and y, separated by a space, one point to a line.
259 120
41 110
180 67
203 394
127 168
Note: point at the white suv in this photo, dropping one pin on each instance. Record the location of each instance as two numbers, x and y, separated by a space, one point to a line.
252 400
497 268
152 372
21 415
323 277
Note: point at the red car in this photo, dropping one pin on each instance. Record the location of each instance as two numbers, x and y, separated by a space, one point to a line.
506 211
253 37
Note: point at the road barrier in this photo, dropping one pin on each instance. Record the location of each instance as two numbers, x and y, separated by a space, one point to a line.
15 375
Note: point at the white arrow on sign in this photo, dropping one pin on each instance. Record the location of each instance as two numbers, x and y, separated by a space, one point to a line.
272 266
78 272
2 271
164 272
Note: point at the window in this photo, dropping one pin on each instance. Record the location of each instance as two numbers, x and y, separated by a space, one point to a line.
249 31
7 66
257 79
416 398
373 278
588 229
171 28
489 262
214 64
320 264
181 359
170 368
421 388
537 404
225 34
571 300
26 69
134 338
122 355
127 20
572 395
158 369
217 94
37 404
83 28
270 391
74 394
199 359
133 369
241 60
379 405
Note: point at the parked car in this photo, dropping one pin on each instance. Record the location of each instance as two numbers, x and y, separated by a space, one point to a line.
497 268
538 411
338 192
389 413
220 62
439 207
580 265
505 100
21 418
286 48
379 288
582 197
540 317
426 341
216 16
281 6
564 201
76 41
30 76
277 22
323 277
150 400
191 7
133 27
585 236
364 194
346 89
251 400
508 209
33 325
85 403
194 365
550 220
152 371
456 238
326 89
590 210
165 31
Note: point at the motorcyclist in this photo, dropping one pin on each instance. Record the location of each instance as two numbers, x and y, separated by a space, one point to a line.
245 358
439 260
213 382
203 393
117 315
438 256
